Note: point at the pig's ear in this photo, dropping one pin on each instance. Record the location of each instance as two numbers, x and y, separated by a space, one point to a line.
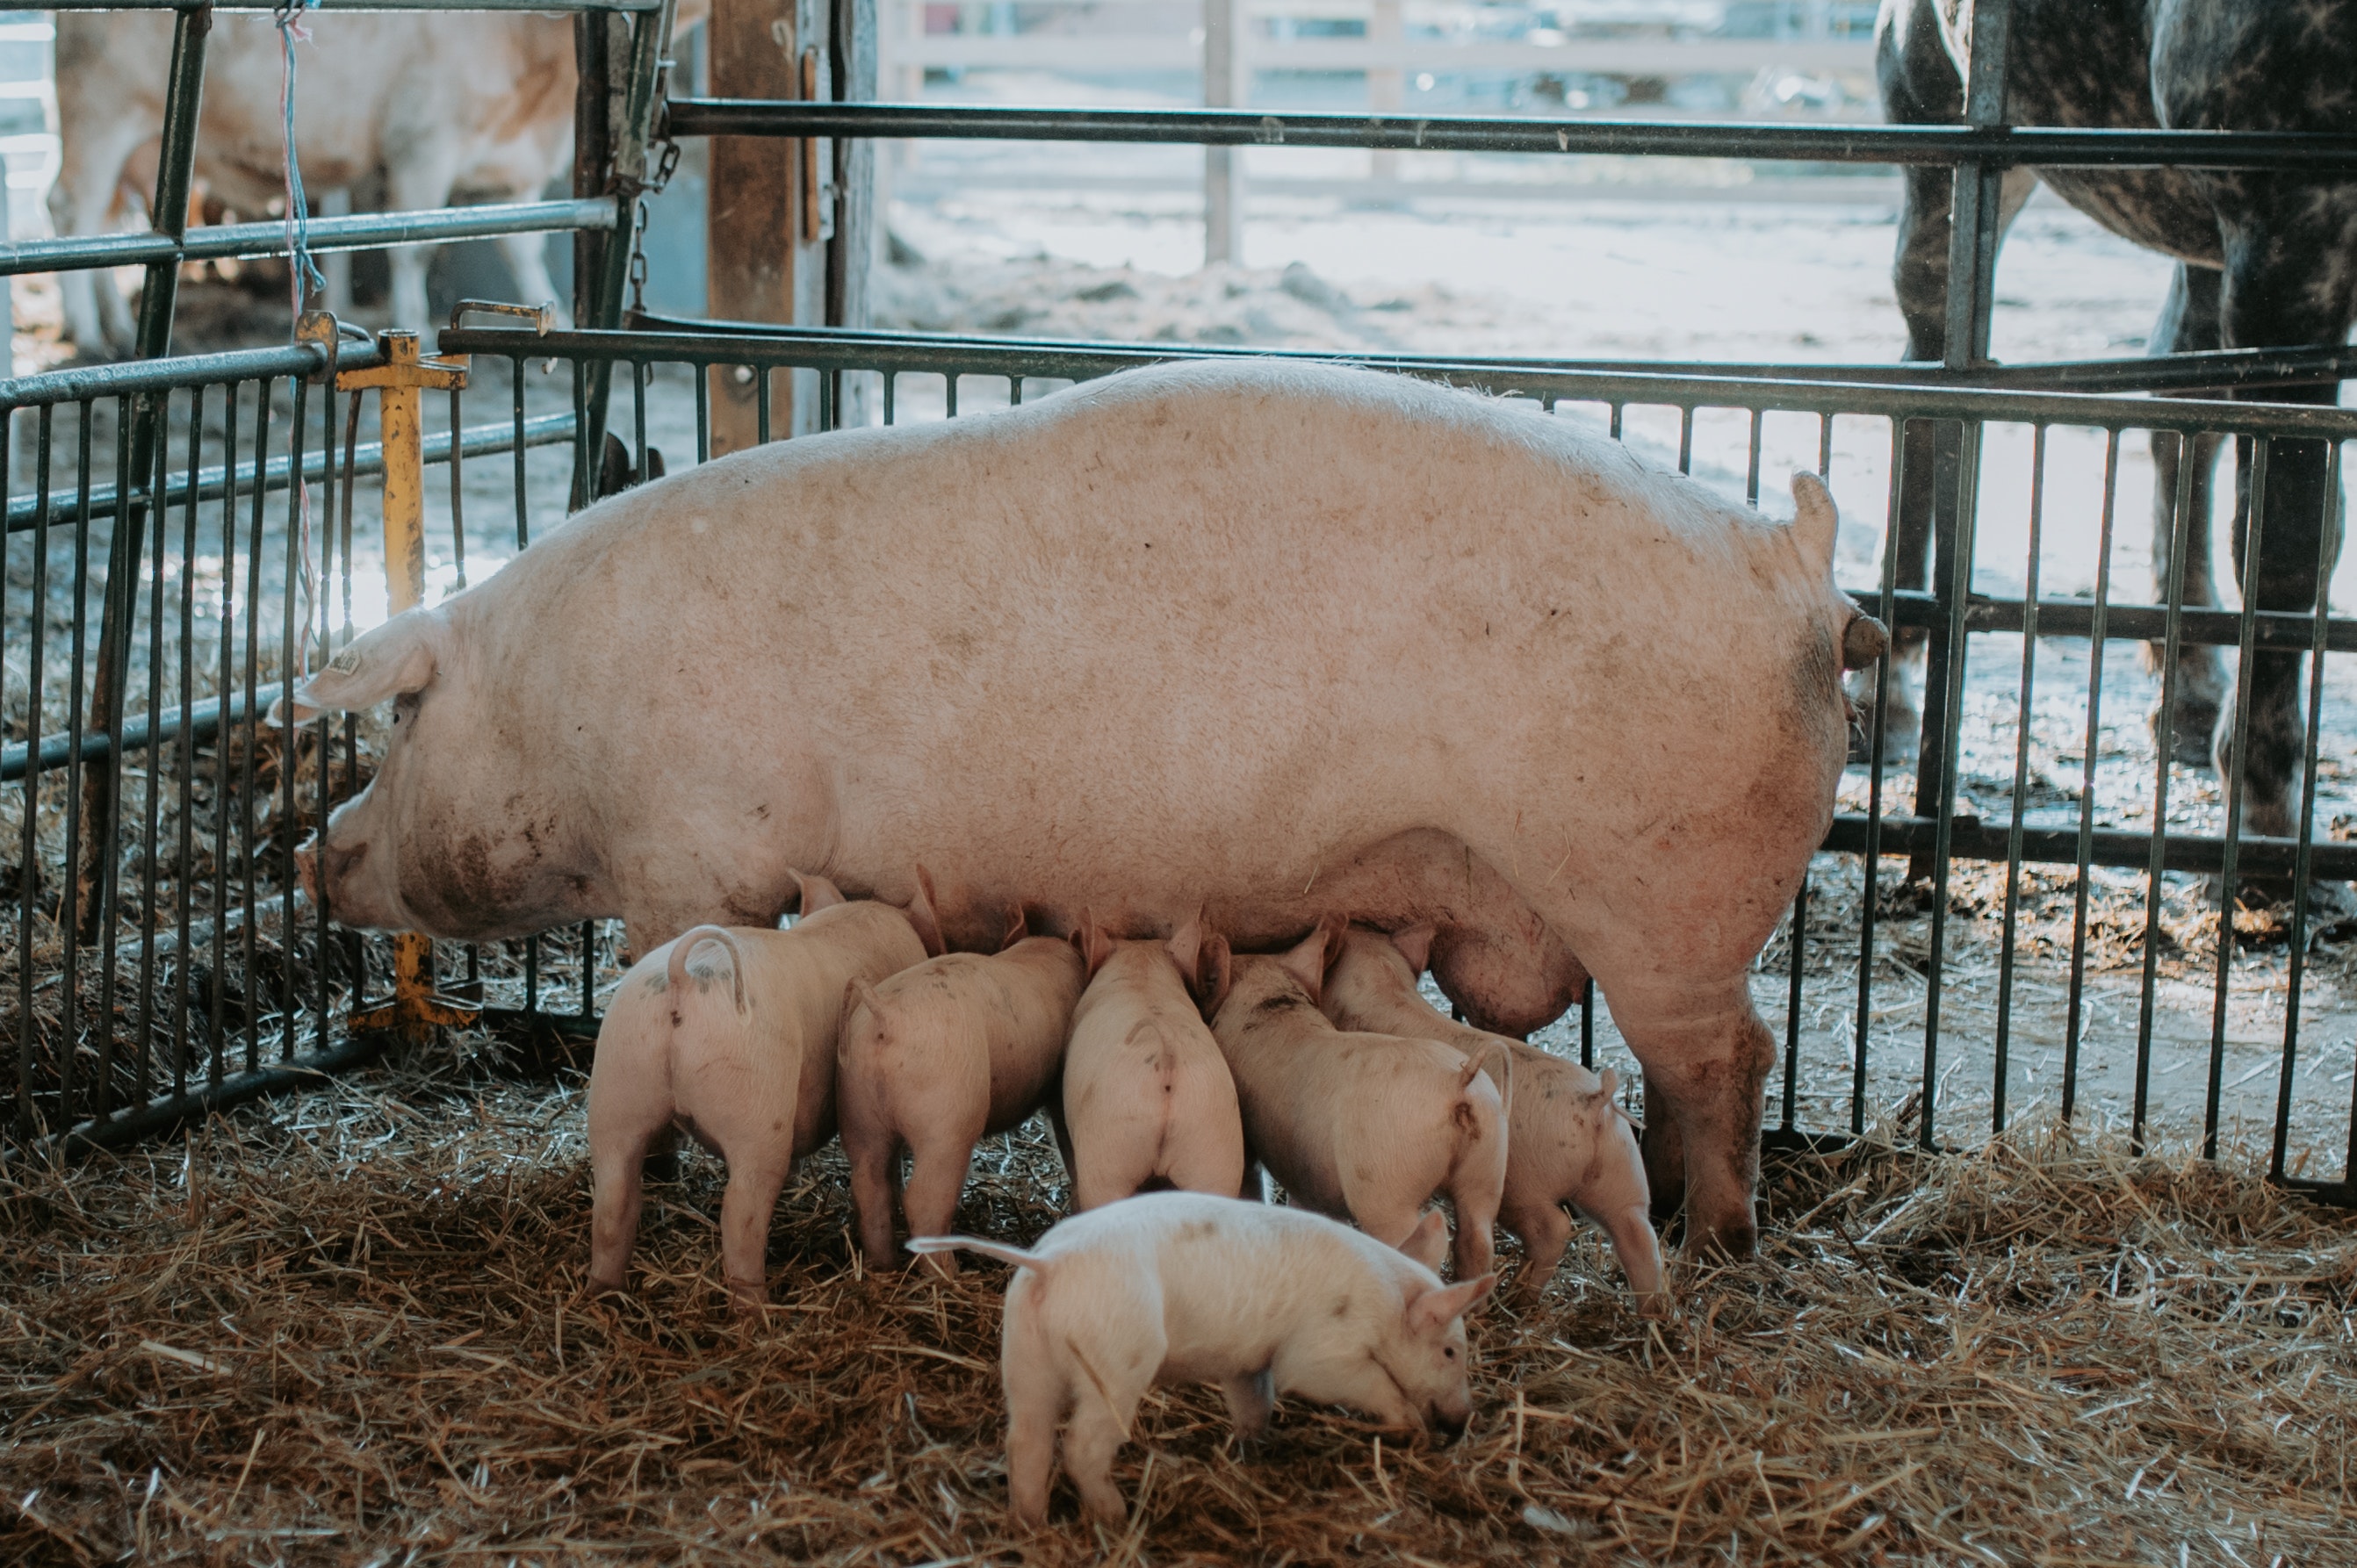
1428 1242
1018 927
1186 944
1435 1310
816 893
1307 963
1214 969
921 916
1815 522
1415 945
1094 946
398 657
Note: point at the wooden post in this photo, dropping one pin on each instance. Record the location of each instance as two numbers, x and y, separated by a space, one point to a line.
770 208
1223 186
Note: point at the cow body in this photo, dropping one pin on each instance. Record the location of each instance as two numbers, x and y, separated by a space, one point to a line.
2264 260
1278 641
443 103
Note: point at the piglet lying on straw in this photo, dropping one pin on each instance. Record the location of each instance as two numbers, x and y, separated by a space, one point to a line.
1186 1287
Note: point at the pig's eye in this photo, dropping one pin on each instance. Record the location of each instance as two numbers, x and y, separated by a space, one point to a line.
1449 1351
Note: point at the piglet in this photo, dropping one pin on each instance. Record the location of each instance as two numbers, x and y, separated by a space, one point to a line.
1171 1287
937 1058
1148 1099
1567 1144
729 1033
1361 1126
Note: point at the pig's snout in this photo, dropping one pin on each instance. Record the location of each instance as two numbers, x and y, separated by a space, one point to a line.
1448 1419
306 866
1864 640
324 869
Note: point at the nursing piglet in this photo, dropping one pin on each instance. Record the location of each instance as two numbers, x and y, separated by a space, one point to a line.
729 1033
1172 1287
934 1059
1148 1099
1361 1126
1566 1144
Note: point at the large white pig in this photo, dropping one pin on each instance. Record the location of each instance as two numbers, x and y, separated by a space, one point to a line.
1282 640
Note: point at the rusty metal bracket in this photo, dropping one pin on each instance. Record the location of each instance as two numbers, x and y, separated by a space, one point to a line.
415 1011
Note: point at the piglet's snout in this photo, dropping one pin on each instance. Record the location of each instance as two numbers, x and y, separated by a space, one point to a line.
1448 1420
306 866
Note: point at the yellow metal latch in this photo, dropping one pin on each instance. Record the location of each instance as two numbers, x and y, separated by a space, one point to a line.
414 1010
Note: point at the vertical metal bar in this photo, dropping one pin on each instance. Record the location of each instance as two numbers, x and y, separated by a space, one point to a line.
762 401
458 483
587 459
2180 524
245 795
950 389
1013 391
1944 802
1861 1036
1587 1022
2023 708
224 788
1792 1003
2098 631
1751 473
28 1031
1612 426
122 601
289 654
158 297
1973 234
70 893
704 412
588 965
2328 541
638 419
890 383
152 796
2232 784
1686 440
624 145
522 510
184 951
336 533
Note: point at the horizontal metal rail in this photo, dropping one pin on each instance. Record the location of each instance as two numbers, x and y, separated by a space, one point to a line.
161 1115
2286 152
818 349
139 732
1972 838
212 482
360 231
2277 631
266 5
90 383
2217 370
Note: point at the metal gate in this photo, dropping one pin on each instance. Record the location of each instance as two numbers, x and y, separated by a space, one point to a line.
1946 971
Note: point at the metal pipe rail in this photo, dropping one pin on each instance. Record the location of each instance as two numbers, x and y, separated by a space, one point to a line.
132 377
266 7
893 354
2283 152
2208 371
360 231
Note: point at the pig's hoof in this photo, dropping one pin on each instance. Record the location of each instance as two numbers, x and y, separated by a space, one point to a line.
2189 735
1654 1306
598 1290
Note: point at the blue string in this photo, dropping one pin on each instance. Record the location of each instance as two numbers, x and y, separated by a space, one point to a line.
309 279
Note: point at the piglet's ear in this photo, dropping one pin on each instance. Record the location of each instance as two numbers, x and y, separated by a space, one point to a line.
1186 944
398 657
1435 1310
1018 927
1306 962
1214 971
923 918
1428 1242
816 892
1415 945
1093 945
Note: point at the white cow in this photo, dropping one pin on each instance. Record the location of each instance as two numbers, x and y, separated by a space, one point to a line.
447 103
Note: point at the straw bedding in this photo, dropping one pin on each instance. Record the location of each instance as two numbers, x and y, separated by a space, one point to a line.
344 1328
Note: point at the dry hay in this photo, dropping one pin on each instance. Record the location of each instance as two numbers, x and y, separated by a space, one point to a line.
343 1327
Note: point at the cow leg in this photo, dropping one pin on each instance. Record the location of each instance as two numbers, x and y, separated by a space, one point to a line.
2189 324
2269 299
418 176
336 266
96 317
527 256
